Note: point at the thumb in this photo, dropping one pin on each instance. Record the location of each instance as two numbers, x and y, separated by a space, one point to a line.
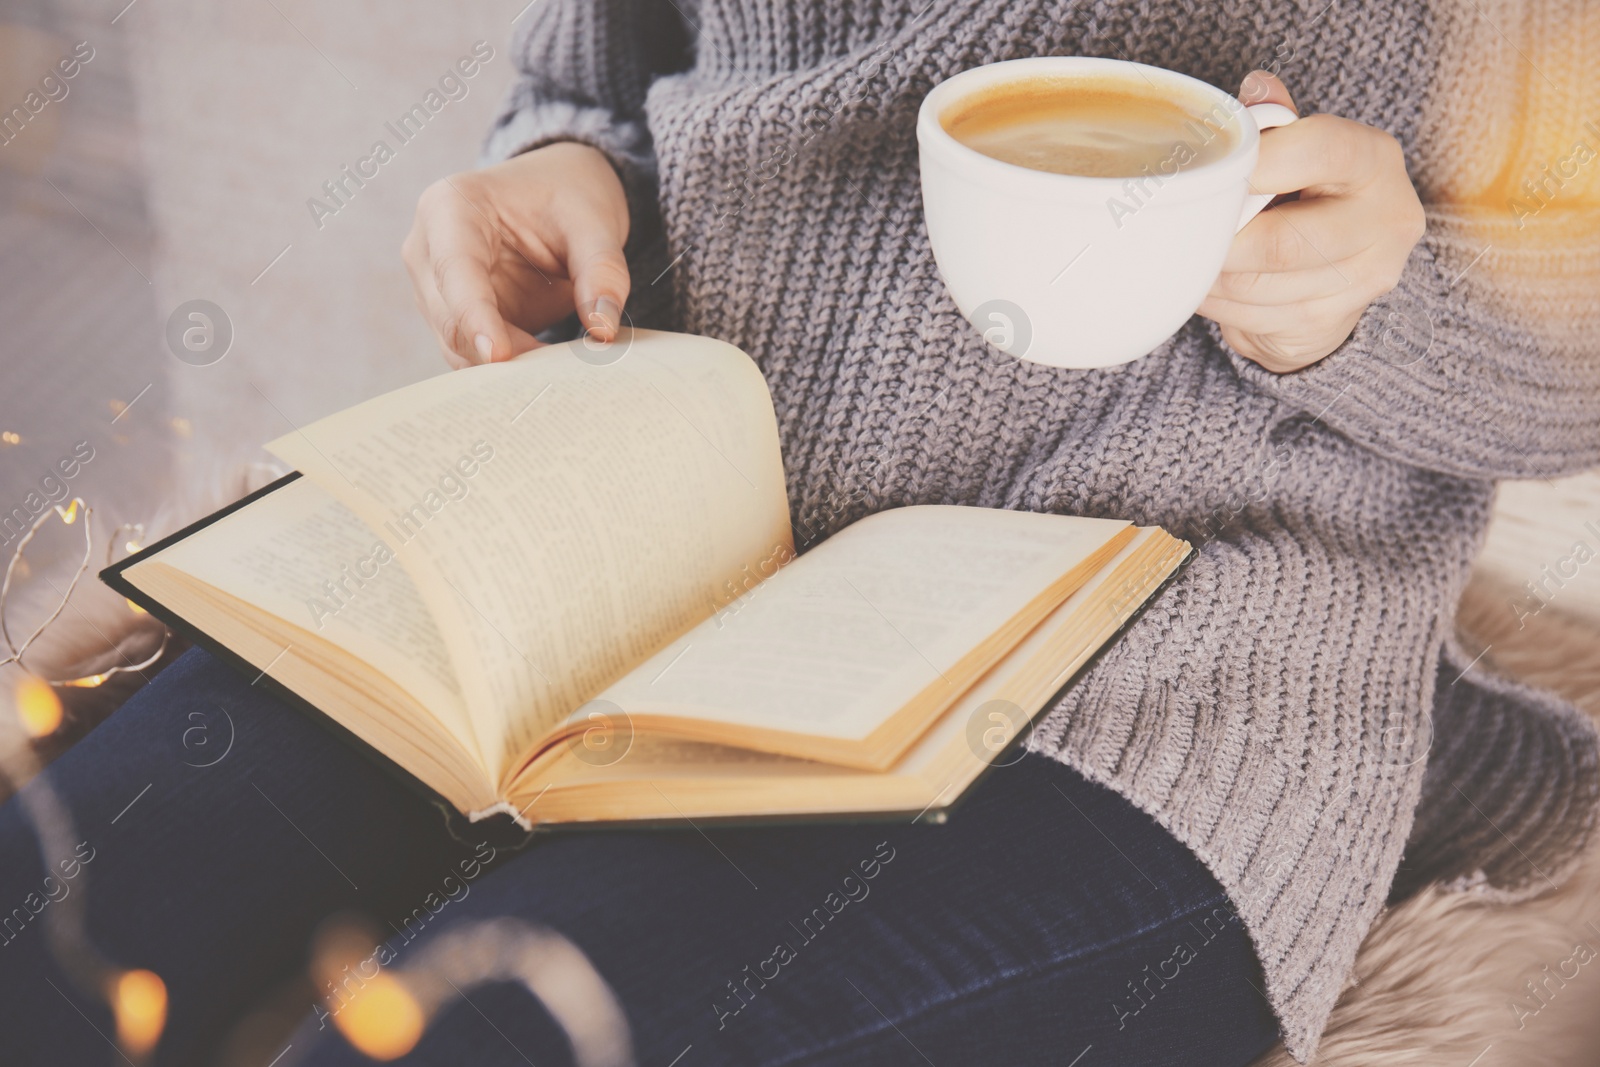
600 280
1263 87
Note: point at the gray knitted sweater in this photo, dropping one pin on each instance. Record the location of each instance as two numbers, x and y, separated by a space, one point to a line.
1295 709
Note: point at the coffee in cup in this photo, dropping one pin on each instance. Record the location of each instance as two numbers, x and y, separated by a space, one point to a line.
1079 209
1107 127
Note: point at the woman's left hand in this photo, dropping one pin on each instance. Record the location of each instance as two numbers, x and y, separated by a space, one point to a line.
1301 273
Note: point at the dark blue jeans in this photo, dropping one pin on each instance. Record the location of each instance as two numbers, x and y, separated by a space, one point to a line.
213 828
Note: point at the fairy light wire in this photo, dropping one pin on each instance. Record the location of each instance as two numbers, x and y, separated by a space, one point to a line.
68 516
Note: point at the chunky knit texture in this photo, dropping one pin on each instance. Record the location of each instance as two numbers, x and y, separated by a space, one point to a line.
1276 708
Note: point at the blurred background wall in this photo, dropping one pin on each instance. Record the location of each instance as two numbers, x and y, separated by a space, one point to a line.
175 166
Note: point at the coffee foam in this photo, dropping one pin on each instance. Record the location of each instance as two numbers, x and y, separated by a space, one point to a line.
1100 127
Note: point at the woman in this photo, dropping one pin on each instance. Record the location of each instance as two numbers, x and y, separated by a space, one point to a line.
1182 868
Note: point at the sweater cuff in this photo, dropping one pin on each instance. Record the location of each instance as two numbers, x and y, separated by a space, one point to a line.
1385 382
1460 371
534 125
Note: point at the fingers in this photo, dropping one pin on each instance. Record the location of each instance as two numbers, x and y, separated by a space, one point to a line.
448 256
1282 342
434 310
1322 155
1280 262
1309 317
1274 289
470 313
498 253
600 280
471 322
1263 87
589 220
1298 278
594 227
1287 320
1302 235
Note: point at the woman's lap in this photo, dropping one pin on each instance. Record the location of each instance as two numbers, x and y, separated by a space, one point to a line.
995 938
1046 917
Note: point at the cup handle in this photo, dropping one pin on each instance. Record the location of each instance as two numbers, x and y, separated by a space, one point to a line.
1267 116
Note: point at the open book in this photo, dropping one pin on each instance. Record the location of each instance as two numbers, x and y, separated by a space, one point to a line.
564 588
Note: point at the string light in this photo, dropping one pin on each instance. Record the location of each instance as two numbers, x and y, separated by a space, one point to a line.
383 1021
137 998
139 1003
90 682
382 1007
38 707
543 961
374 1011
17 565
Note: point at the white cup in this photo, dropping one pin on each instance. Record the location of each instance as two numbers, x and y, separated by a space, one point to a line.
1084 272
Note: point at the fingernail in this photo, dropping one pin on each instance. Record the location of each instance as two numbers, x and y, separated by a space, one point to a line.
609 314
1253 85
484 346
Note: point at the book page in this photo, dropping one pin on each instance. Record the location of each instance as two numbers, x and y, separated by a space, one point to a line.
845 636
299 554
704 781
566 513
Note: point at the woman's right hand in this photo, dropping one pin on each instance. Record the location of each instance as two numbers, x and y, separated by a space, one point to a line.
498 254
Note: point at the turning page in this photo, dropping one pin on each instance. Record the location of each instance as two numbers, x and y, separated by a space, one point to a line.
564 514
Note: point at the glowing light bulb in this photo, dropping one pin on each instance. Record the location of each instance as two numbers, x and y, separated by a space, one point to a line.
38 707
69 514
383 1021
87 683
10 437
137 610
139 1002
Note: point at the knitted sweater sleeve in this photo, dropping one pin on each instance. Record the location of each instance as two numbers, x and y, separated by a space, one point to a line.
1469 367
584 67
